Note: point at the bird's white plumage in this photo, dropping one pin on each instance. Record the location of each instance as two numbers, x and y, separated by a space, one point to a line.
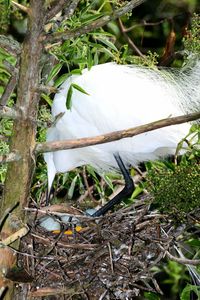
120 97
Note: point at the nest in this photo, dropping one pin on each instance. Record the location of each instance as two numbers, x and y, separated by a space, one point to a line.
111 258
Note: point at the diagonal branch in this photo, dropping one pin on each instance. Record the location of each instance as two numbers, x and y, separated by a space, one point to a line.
113 136
55 8
69 11
21 7
10 45
130 42
58 36
11 84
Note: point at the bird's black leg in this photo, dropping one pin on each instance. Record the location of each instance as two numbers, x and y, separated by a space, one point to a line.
127 190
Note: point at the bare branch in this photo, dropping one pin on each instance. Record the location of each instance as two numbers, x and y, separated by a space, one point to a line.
21 7
113 136
55 8
10 113
11 84
9 157
69 11
183 261
8 90
47 89
10 45
58 36
143 23
130 42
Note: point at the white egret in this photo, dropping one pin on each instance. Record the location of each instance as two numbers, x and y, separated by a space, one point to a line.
119 97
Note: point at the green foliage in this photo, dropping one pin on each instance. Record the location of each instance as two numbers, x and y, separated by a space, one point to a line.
151 296
72 87
175 274
186 293
175 187
176 191
192 40
4 15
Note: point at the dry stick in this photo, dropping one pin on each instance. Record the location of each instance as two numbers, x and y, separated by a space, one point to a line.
130 42
113 136
21 7
59 36
183 261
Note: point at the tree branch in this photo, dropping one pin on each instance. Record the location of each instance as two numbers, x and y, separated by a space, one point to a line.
58 36
183 261
9 157
130 42
10 45
69 11
113 136
10 113
55 8
11 83
21 7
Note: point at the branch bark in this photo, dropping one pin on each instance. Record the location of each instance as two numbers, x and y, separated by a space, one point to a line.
10 113
10 45
113 136
9 157
55 8
19 174
93 25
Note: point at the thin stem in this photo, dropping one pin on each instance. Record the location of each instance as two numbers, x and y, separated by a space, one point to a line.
113 136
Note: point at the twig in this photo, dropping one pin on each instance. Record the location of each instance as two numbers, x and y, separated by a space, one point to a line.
130 42
9 157
183 261
11 84
111 259
68 246
48 291
58 36
10 45
55 8
88 187
15 236
47 89
113 136
69 11
21 7
143 23
7 112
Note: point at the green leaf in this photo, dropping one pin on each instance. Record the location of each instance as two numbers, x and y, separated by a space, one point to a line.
72 187
78 88
151 296
47 99
54 72
61 79
107 43
185 295
69 98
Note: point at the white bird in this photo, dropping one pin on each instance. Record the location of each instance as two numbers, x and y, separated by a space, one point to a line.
119 97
